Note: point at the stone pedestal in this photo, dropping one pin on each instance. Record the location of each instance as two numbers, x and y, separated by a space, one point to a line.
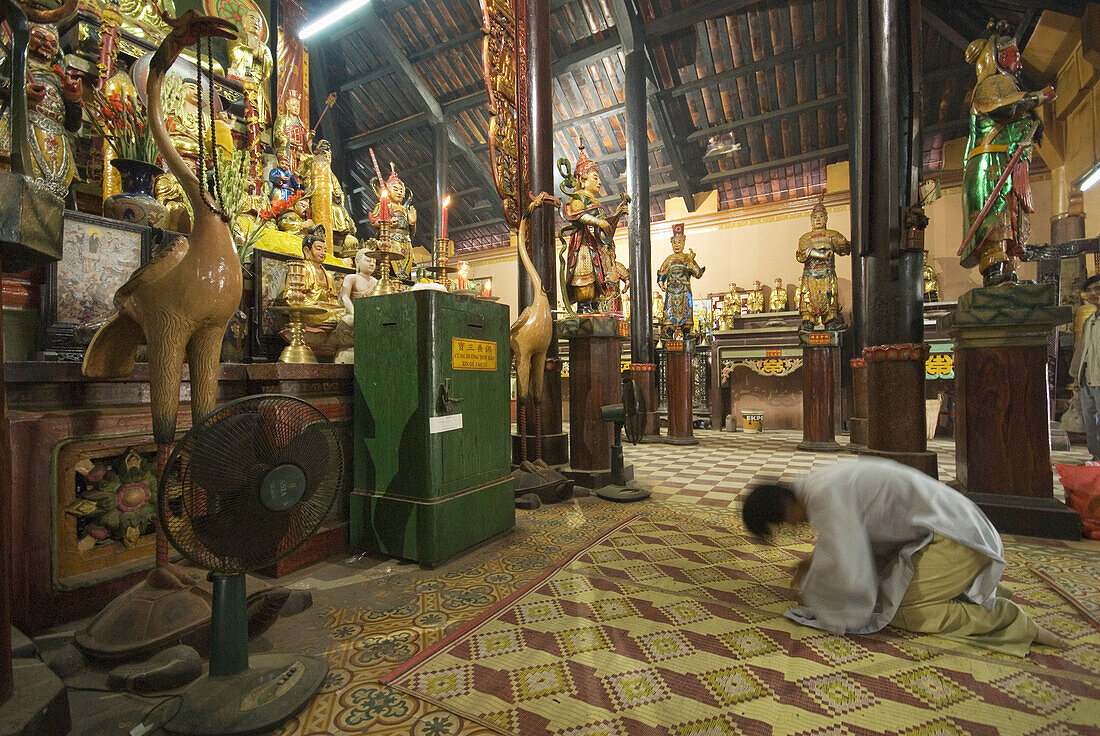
896 423
1002 436
819 357
678 379
595 370
645 375
857 423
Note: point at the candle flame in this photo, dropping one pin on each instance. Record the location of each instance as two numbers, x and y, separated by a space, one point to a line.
382 193
447 201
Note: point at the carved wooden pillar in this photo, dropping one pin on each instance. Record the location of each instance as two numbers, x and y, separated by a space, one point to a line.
820 352
857 423
1002 436
595 370
896 426
679 381
6 682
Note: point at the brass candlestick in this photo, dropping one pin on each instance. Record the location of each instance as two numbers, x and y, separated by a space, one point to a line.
443 248
297 351
383 255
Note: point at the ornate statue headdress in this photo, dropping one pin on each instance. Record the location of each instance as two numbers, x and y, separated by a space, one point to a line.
584 165
983 52
819 207
393 179
678 231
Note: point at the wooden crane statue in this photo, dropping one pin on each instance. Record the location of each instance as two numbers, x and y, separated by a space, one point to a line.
530 336
179 305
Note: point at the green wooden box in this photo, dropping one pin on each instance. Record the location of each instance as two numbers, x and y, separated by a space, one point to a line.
431 441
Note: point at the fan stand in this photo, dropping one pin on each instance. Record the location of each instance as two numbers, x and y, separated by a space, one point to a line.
243 695
618 490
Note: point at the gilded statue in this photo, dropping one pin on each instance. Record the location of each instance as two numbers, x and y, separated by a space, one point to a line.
1003 127
591 274
54 111
296 219
291 135
309 284
819 290
402 218
931 281
731 307
250 62
658 307
674 278
754 301
778 300
143 19
343 224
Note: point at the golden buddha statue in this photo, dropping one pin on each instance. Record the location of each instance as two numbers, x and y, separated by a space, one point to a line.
251 64
310 285
755 300
731 307
142 18
778 300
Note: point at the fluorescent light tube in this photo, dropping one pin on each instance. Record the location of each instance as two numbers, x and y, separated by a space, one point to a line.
1091 178
340 11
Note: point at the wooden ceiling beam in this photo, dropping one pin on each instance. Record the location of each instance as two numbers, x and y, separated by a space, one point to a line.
586 55
476 225
386 44
363 79
795 54
451 43
781 113
587 117
699 13
778 163
942 27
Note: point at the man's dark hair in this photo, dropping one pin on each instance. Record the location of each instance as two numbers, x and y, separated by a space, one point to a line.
764 507
1090 281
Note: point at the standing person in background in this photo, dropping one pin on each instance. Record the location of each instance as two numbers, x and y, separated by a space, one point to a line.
1085 367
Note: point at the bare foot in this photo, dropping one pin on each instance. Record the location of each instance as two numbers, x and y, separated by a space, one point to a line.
1050 639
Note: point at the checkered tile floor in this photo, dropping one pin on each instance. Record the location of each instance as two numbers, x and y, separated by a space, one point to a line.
723 464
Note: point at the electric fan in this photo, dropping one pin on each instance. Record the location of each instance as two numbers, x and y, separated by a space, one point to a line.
630 415
245 486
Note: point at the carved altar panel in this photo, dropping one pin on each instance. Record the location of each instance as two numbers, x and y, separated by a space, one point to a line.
504 67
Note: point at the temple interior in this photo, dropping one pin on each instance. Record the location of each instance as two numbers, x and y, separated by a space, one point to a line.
566 367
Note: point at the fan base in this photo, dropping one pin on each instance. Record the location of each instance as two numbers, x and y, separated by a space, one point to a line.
273 689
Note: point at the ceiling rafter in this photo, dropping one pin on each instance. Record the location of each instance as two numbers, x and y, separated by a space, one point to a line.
689 16
631 32
773 115
795 54
824 153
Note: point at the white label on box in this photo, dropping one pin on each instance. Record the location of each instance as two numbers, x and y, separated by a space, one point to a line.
444 424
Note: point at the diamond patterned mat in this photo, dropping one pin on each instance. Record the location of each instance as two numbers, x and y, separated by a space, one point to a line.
671 624
1078 581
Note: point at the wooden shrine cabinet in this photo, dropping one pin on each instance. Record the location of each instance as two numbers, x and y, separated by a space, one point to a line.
431 433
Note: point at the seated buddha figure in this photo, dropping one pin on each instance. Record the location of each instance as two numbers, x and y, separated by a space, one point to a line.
310 285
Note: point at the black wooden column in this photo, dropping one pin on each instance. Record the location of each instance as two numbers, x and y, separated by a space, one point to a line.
859 134
888 172
555 444
643 353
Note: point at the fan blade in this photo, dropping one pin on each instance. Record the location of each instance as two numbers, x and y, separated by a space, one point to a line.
309 451
226 451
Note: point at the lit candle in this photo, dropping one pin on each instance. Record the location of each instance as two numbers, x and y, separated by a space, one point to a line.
443 218
384 205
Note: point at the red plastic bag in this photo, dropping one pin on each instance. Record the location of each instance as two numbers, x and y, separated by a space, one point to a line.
1082 484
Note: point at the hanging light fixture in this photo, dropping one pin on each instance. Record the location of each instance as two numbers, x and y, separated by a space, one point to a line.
326 20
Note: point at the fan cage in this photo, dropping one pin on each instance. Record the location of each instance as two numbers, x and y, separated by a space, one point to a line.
210 506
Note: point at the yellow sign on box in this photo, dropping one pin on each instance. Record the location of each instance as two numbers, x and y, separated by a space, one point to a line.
473 355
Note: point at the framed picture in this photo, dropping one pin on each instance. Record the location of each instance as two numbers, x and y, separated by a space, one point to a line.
482 285
98 256
269 280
